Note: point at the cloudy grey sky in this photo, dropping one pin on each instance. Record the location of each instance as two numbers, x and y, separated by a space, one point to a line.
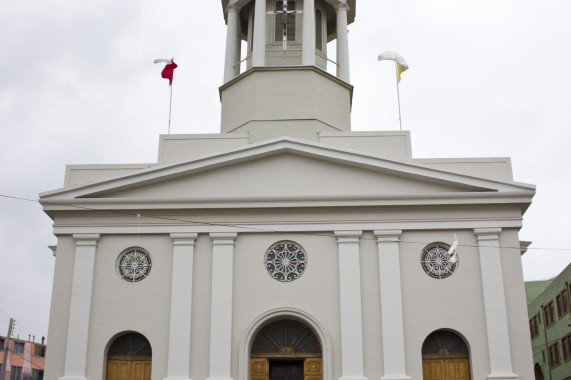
77 85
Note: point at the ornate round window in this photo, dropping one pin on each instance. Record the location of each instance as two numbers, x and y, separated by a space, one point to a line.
134 264
285 261
436 260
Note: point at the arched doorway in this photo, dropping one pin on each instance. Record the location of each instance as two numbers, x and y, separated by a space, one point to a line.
286 350
538 372
445 356
129 358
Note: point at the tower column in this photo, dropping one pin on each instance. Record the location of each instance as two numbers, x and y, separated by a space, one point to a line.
495 304
232 43
350 305
221 305
80 307
308 42
342 42
181 306
391 305
259 50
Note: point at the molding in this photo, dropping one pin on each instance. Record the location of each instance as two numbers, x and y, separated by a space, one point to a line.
223 238
86 239
344 237
297 227
387 236
183 238
280 313
483 234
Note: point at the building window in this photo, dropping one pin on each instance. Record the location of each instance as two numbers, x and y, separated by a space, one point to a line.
436 261
554 359
549 314
37 374
40 351
566 346
1 344
534 326
285 261
16 373
562 300
290 23
134 264
18 348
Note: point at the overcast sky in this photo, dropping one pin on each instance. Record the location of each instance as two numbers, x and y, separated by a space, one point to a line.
77 85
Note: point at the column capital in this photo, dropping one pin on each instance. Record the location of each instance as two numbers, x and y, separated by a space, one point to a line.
348 236
223 238
232 8
342 6
487 233
184 238
89 240
388 236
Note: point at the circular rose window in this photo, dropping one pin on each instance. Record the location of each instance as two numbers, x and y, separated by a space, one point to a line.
436 260
285 261
134 264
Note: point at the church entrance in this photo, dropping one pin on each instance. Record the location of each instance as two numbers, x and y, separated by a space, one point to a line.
445 356
129 358
286 350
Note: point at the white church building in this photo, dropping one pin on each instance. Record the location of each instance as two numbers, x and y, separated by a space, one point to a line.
288 247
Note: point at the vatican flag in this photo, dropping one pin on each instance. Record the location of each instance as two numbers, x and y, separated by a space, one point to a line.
401 63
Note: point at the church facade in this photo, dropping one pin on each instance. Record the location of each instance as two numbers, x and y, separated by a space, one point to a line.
287 246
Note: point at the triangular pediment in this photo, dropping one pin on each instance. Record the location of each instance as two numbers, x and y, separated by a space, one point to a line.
285 169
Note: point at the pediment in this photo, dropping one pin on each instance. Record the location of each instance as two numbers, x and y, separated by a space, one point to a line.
285 169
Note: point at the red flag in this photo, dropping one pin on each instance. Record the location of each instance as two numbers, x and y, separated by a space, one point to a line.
168 71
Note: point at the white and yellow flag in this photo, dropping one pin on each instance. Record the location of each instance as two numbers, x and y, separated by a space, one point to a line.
402 65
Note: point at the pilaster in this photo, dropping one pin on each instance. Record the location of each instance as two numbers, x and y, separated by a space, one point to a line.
181 306
391 305
350 305
308 41
80 307
495 304
259 49
221 305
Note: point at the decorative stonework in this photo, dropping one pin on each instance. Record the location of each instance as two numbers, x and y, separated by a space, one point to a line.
436 261
285 261
134 264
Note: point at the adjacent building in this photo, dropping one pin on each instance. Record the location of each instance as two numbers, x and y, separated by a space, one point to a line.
288 246
548 307
25 359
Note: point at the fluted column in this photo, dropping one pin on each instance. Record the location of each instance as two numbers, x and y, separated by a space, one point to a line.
391 305
259 50
495 304
232 43
80 307
221 305
181 306
342 42
350 305
308 41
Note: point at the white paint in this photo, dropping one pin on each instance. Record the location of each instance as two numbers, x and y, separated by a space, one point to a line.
342 42
350 305
391 305
308 33
259 51
80 307
221 306
181 306
231 69
495 304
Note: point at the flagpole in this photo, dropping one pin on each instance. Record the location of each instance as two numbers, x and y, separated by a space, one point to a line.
398 93
170 109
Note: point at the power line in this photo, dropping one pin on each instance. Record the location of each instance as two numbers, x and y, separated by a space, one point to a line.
259 229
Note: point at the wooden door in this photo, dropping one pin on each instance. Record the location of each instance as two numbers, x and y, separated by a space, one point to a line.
446 369
128 370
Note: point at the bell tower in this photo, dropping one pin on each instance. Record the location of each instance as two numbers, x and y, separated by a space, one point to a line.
278 83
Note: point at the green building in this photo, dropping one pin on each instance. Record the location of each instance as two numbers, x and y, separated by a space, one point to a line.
548 305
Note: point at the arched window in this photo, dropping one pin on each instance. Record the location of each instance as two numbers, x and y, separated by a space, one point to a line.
445 356
286 350
129 358
318 30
